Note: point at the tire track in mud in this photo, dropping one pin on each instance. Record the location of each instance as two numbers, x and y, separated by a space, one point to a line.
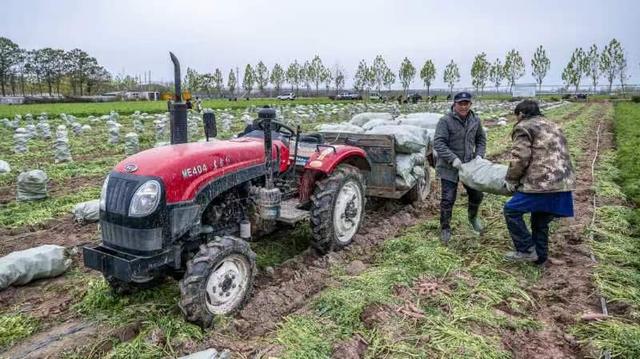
305 275
302 277
566 289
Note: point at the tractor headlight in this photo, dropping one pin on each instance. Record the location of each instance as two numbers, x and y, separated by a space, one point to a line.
103 194
145 200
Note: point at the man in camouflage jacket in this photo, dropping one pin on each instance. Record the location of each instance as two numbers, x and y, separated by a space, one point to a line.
540 158
541 177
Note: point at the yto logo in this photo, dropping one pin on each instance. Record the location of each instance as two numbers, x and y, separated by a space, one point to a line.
130 167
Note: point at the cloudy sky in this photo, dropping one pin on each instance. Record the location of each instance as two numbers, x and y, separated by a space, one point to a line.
134 36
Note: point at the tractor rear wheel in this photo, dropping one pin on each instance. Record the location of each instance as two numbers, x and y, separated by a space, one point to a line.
337 208
218 280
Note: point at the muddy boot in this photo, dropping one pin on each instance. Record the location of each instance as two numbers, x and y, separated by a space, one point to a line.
445 226
474 219
529 256
445 236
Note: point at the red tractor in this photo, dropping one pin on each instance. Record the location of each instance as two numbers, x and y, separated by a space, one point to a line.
189 209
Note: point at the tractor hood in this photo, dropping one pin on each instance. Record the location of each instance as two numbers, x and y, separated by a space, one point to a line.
185 168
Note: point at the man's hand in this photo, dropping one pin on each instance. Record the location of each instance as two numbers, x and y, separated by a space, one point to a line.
511 187
456 163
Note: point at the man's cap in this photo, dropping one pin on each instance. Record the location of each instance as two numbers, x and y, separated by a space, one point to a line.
462 96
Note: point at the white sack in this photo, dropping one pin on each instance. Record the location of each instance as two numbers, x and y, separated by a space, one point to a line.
21 267
484 175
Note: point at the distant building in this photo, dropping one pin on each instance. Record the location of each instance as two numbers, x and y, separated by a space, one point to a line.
142 95
524 90
135 95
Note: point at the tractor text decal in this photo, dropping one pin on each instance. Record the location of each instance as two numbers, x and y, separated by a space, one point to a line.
194 171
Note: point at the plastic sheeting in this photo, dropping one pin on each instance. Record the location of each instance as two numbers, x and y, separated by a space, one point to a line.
21 267
377 122
340 127
427 120
362 118
408 139
32 185
484 175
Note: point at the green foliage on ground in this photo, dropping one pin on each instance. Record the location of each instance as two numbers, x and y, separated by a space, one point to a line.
627 132
616 248
14 327
621 339
155 309
274 249
18 214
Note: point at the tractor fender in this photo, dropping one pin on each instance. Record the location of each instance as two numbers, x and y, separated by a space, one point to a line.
324 161
326 158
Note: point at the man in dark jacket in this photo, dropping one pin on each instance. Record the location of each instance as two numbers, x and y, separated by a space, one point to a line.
459 138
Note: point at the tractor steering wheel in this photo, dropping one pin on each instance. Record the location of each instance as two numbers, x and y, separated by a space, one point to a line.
279 127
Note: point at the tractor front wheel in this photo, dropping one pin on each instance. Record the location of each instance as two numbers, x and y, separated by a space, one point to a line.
337 208
218 280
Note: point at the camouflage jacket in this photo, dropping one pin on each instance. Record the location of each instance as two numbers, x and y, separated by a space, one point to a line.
540 160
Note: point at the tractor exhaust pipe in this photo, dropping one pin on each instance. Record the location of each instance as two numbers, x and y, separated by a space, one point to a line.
266 115
177 108
270 196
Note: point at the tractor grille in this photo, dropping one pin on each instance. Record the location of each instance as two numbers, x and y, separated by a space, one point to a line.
119 193
131 238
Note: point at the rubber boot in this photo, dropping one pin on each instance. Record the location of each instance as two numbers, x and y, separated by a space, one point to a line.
474 219
445 227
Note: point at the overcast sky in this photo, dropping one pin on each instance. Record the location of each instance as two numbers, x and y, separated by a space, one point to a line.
134 36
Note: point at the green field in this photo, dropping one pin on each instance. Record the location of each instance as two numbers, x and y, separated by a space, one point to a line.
476 300
129 107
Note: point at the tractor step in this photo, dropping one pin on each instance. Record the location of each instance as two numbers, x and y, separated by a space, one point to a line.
290 214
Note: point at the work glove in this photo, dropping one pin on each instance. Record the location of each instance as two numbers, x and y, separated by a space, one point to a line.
456 163
511 187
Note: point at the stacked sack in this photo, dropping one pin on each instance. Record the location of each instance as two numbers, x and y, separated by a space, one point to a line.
412 133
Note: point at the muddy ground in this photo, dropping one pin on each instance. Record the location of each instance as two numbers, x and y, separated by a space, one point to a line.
562 295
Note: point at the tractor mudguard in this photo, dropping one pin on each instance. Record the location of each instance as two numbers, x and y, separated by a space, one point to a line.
325 160
327 157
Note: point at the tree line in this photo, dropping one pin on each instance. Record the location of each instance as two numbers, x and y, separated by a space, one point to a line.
23 71
610 64
49 70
